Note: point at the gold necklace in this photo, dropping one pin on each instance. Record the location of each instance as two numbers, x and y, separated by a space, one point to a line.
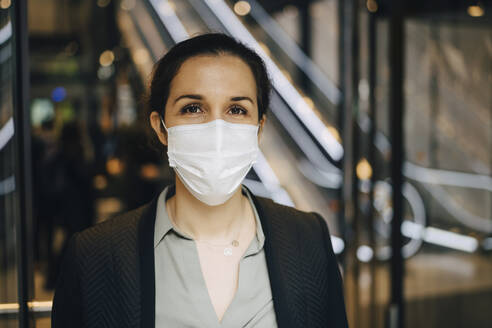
227 247
227 251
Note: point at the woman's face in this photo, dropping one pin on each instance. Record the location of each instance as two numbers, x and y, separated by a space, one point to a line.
207 88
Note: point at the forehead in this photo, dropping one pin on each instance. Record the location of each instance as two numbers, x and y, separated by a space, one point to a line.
224 74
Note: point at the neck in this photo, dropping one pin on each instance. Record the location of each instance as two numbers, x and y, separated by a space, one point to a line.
203 222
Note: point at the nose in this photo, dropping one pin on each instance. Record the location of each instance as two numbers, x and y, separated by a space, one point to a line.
216 112
215 115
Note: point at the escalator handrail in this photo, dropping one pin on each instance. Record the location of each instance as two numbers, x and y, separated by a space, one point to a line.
329 88
171 22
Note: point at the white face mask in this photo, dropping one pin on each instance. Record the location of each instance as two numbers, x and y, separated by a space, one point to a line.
212 159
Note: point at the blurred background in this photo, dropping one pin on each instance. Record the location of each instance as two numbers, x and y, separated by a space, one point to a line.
381 121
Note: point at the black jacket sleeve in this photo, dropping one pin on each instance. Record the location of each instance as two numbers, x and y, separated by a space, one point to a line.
67 306
336 299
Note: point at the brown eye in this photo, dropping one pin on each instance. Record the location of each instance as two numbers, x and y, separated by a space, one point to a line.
236 110
191 109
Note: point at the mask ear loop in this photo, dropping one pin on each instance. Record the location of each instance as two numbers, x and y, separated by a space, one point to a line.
164 125
259 128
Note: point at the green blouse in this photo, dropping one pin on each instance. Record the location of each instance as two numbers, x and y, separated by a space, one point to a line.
181 295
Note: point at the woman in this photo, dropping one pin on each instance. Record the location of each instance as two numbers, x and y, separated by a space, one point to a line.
205 252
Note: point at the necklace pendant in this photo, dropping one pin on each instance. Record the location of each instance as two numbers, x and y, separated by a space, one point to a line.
235 243
227 251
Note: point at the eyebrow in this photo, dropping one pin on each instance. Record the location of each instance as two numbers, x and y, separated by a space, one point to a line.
200 97
188 96
239 98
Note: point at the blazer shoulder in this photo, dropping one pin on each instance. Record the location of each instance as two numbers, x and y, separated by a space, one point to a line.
290 216
102 234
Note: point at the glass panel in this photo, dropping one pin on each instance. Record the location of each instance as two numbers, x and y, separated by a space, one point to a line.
8 195
324 33
448 143
90 158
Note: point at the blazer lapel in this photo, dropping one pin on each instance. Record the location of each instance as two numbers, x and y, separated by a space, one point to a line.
133 265
282 256
146 265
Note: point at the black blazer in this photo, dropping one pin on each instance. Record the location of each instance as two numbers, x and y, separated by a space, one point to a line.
107 275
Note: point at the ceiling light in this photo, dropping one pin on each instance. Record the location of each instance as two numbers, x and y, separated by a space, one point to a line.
242 8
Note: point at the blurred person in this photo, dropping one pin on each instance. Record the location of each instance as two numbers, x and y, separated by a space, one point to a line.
43 148
68 196
205 252
133 151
